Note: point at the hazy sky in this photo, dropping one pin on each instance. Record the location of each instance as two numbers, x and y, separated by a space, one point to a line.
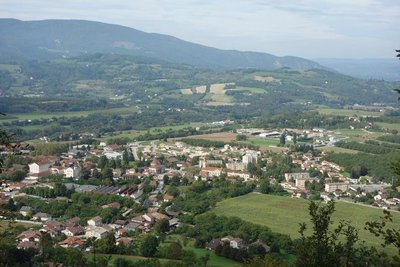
307 28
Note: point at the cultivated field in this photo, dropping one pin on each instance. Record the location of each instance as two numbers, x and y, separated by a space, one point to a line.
218 96
186 91
224 137
154 130
356 134
390 126
201 89
283 214
266 79
49 115
337 149
349 112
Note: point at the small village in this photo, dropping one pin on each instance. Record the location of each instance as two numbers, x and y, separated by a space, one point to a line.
141 173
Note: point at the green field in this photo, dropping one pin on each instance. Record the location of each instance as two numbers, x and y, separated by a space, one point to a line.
390 126
356 134
215 261
262 142
337 149
132 134
253 90
349 112
45 115
283 214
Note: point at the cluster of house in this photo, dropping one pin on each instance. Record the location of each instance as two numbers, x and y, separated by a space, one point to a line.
320 137
232 168
44 166
235 242
75 234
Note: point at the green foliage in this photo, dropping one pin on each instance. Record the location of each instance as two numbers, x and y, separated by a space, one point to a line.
378 165
373 148
202 196
149 245
324 247
203 142
391 236
210 226
162 226
241 137
51 149
390 138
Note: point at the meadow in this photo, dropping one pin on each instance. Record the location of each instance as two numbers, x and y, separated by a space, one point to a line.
283 214
349 112
49 115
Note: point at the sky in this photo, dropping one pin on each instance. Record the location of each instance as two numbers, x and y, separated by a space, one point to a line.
305 28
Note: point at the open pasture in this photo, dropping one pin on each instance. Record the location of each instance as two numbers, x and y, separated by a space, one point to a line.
283 214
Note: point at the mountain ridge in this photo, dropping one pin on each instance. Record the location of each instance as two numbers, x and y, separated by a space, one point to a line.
49 39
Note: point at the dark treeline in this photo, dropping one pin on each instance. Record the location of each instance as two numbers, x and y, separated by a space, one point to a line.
203 142
370 147
378 166
390 138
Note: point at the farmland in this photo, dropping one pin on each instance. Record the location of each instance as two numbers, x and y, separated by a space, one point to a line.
223 137
49 115
283 214
349 112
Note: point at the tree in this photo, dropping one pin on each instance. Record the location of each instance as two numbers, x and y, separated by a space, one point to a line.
162 226
391 236
149 246
241 137
107 244
174 251
265 186
282 139
326 247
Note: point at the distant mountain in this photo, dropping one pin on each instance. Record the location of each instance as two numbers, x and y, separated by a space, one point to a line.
386 69
49 39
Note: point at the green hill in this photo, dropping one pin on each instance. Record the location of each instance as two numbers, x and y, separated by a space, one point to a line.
283 214
49 39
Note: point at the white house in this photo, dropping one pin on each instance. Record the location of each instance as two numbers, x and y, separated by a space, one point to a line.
72 172
96 221
40 216
39 167
96 232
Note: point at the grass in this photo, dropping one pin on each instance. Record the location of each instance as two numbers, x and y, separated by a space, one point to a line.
133 133
262 142
283 214
5 225
126 257
224 137
9 67
214 261
46 115
186 91
390 126
201 89
349 112
253 90
356 134
218 96
337 149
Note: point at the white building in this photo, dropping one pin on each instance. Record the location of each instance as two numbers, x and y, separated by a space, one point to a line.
72 172
96 232
332 187
39 167
96 221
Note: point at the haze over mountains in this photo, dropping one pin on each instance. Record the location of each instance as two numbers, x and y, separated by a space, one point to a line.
375 68
49 39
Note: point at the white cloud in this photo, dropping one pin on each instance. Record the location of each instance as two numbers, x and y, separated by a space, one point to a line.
301 27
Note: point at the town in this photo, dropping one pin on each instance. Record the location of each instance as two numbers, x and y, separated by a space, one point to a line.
141 188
